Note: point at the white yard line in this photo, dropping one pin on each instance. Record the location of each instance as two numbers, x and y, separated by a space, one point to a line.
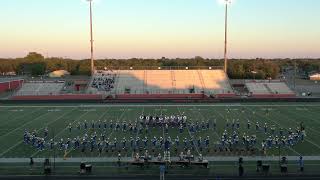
312 118
23 125
313 143
100 117
15 145
215 131
258 147
194 141
138 124
18 117
307 117
164 138
63 130
307 139
163 134
118 119
279 125
296 121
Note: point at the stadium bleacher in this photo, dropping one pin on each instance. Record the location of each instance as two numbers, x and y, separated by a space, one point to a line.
102 81
280 88
257 88
268 88
216 81
132 81
40 88
165 82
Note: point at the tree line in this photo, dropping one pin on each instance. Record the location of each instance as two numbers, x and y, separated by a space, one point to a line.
36 64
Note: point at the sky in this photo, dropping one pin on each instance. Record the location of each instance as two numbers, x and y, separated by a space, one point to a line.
160 28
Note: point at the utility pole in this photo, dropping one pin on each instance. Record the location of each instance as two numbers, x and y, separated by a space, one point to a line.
91 38
295 74
226 38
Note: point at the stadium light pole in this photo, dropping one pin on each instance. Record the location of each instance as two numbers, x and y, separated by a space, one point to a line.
91 38
226 2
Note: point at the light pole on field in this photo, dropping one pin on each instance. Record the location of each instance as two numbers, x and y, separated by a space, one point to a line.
91 38
226 2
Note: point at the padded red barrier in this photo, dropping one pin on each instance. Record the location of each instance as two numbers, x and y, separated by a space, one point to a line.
273 95
160 96
3 87
10 85
225 95
60 97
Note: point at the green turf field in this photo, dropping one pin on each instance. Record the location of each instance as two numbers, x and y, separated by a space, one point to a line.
15 119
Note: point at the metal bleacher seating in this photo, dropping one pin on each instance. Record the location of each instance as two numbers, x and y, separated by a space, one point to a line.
40 88
257 88
170 82
280 88
268 88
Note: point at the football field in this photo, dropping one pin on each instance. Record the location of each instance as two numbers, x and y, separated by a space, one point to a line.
18 118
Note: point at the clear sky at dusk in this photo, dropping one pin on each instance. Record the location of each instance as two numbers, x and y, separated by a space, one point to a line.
156 28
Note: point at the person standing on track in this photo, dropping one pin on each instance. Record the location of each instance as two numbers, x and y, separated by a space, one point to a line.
301 164
31 163
162 171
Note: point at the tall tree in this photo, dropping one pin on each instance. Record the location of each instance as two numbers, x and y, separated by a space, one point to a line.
34 56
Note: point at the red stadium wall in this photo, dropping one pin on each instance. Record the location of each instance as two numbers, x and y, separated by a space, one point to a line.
121 97
60 97
11 85
3 87
225 95
273 95
160 96
170 96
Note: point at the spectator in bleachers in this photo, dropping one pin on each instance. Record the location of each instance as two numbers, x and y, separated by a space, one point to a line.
104 81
